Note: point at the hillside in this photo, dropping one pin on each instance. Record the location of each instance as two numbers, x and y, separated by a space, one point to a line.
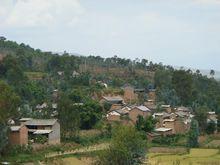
47 71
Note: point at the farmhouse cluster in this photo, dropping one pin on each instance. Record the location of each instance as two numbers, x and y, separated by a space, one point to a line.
124 109
169 120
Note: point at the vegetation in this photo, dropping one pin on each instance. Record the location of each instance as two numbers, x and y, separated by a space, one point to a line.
29 77
127 147
146 125
193 135
195 156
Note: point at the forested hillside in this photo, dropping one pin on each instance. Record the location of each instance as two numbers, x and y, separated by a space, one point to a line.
34 75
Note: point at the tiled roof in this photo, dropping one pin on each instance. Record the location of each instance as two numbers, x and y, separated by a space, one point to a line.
143 108
41 122
15 128
115 98
162 129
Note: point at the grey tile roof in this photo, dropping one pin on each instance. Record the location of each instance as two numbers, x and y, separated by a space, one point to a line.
15 128
115 98
143 108
41 122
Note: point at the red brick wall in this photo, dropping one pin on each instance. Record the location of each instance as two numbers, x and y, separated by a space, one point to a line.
114 118
14 138
23 135
129 94
19 137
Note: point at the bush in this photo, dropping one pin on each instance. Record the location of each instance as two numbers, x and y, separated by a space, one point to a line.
14 150
167 140
127 147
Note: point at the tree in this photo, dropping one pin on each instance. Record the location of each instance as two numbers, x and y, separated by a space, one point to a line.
193 134
182 83
218 123
69 118
3 137
147 124
9 103
90 114
127 147
211 127
201 117
212 72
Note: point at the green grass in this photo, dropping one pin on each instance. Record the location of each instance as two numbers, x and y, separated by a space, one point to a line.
35 75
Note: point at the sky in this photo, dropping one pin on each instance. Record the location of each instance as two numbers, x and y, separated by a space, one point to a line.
175 32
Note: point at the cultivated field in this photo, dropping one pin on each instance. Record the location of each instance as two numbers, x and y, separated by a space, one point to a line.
195 157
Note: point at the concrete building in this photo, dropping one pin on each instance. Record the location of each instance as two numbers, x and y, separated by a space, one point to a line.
46 127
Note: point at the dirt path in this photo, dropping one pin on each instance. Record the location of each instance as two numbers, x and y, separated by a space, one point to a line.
96 147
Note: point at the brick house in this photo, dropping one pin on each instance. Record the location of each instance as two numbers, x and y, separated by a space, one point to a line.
150 104
139 110
166 108
211 116
152 94
113 116
112 99
46 127
179 126
129 94
119 114
18 135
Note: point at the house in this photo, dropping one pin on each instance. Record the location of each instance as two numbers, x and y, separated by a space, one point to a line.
55 95
129 94
182 126
113 99
75 74
179 126
211 116
183 109
39 107
139 111
164 131
18 135
23 120
46 127
152 135
60 73
113 116
169 123
103 84
150 104
166 108
115 107
117 115
151 94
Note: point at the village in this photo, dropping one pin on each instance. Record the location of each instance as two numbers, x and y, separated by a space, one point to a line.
57 107
123 110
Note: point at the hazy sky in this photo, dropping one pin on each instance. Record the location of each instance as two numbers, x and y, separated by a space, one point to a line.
176 32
